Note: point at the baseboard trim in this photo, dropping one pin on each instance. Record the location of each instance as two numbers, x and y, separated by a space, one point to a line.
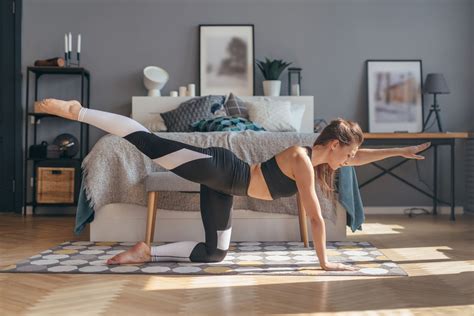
397 210
379 210
67 210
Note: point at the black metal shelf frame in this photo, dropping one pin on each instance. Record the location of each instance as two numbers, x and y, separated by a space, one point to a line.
84 128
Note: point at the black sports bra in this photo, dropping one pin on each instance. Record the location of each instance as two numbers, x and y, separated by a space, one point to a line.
279 184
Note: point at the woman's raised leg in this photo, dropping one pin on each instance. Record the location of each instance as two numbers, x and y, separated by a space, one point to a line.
112 123
165 152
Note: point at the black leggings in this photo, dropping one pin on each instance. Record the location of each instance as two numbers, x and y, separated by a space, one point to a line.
220 173
216 217
215 167
221 176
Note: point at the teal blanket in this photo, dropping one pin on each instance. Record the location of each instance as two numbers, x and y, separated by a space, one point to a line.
349 196
84 213
347 186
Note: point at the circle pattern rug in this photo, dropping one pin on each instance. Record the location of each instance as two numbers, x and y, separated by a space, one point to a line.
262 258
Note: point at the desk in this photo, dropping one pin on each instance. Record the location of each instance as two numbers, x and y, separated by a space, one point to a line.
401 139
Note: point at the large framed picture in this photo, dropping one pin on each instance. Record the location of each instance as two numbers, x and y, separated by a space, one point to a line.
395 98
226 59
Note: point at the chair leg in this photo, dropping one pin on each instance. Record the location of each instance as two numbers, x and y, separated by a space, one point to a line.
151 217
302 219
155 207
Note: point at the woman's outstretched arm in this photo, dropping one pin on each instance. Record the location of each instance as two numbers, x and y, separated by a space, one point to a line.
304 175
366 155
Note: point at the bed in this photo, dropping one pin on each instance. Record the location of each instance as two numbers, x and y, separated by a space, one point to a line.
123 216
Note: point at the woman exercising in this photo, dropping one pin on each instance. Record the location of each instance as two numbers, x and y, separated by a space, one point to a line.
222 175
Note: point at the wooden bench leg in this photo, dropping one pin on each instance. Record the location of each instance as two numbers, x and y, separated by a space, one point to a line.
151 217
302 218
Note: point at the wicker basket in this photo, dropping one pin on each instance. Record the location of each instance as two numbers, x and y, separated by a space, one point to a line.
55 185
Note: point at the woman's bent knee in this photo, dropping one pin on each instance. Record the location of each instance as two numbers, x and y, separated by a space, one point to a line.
217 255
201 253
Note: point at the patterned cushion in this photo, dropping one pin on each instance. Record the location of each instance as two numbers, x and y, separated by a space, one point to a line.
225 123
181 118
235 106
274 116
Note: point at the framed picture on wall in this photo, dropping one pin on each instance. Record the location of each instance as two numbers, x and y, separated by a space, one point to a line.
226 59
395 98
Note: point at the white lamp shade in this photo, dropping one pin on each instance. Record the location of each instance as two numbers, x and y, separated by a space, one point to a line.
154 79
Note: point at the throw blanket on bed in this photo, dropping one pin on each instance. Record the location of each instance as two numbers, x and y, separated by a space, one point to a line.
114 172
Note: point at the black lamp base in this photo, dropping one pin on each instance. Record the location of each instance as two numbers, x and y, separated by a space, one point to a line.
434 109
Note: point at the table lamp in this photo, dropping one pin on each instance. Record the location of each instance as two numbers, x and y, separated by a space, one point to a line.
154 79
435 84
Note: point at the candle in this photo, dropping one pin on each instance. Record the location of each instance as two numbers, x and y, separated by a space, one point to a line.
65 43
191 90
295 89
173 93
182 91
79 43
70 42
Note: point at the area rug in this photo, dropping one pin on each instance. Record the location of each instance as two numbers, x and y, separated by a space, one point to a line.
260 258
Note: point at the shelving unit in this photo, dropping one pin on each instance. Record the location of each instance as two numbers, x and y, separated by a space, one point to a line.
32 118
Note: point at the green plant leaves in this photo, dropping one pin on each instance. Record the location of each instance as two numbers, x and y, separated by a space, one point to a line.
272 69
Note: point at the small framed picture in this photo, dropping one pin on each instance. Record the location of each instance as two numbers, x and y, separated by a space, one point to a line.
226 59
395 98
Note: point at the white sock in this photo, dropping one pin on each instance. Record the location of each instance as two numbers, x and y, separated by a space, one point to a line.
177 251
112 123
223 238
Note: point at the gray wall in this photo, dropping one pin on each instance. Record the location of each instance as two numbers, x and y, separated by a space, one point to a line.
472 64
329 39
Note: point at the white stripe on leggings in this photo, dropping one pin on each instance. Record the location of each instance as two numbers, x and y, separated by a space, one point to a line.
177 251
112 123
179 157
223 238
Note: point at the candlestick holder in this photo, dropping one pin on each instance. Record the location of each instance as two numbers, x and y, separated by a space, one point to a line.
69 62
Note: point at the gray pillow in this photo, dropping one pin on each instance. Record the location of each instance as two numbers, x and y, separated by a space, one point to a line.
195 109
235 106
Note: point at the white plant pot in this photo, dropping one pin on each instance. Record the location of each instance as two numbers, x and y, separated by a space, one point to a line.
271 88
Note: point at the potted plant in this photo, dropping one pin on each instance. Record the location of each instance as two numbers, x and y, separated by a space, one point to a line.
271 70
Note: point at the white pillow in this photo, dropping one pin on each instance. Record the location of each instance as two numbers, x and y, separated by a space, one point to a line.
297 111
157 124
274 116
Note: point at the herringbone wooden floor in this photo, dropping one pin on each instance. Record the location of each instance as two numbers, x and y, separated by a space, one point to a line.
437 254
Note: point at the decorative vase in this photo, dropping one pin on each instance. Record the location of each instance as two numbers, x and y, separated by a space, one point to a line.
271 88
